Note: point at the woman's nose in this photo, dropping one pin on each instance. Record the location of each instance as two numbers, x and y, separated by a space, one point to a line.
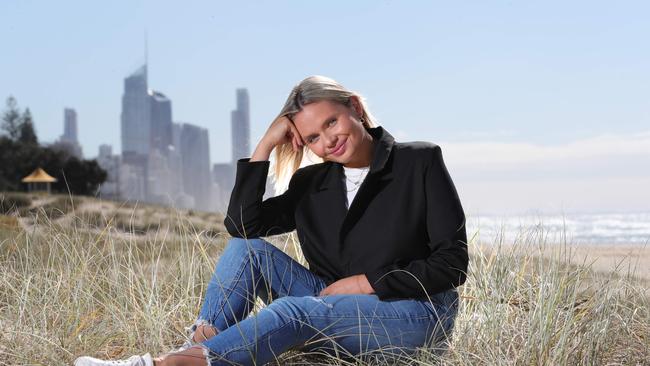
330 140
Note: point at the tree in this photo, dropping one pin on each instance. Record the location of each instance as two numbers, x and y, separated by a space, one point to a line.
11 120
75 176
80 177
20 154
8 165
27 133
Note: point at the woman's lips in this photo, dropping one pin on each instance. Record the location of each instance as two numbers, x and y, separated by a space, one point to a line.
341 150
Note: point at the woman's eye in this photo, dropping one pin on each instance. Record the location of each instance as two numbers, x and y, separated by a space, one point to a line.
311 140
332 122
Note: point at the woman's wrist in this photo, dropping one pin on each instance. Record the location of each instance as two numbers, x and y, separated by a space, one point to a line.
262 151
364 284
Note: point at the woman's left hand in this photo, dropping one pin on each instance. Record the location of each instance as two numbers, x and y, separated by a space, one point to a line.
357 284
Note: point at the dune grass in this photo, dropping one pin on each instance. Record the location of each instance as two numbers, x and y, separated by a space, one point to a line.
76 289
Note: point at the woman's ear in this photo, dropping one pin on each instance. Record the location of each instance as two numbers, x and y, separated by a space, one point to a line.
355 104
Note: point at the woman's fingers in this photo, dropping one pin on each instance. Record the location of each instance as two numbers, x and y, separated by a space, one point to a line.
283 131
295 132
295 136
291 138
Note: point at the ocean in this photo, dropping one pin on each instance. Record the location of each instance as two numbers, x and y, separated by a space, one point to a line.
585 228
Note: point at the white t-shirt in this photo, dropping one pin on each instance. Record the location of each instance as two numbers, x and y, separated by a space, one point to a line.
353 179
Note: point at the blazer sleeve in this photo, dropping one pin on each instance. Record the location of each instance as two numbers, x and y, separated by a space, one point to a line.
248 216
446 265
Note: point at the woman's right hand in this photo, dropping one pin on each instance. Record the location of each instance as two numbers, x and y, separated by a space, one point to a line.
281 131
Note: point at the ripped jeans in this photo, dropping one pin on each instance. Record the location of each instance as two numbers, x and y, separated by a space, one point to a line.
297 318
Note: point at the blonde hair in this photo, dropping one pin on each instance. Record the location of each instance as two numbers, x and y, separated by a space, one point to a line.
312 89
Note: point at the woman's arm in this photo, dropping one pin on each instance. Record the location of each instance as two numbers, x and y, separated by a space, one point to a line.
248 216
446 266
281 131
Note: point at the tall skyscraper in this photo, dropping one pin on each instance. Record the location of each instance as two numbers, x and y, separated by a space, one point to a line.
111 164
223 175
161 122
136 136
132 184
69 141
159 182
240 126
195 152
70 126
177 129
136 114
175 158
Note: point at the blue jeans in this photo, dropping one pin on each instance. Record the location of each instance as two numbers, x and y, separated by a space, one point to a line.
297 318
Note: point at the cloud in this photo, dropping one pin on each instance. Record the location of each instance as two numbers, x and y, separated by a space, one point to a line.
602 173
513 154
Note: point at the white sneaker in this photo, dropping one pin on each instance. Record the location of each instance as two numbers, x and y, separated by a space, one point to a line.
187 345
144 360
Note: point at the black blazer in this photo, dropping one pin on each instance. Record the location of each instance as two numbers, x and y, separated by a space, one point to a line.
405 229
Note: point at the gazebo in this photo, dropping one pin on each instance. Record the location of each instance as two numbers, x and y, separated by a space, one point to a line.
39 180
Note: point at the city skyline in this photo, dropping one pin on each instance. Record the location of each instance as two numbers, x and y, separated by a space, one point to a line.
163 160
138 80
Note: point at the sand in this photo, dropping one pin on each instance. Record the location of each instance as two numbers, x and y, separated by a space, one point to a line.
619 257
604 258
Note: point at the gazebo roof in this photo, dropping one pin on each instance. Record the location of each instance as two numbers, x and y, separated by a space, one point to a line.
39 176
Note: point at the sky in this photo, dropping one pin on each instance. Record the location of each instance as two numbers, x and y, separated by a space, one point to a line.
536 105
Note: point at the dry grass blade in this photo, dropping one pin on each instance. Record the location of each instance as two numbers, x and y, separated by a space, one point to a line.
79 283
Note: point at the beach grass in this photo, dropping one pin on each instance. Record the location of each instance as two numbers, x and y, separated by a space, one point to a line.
80 283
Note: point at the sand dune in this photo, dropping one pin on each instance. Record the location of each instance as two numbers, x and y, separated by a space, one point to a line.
606 258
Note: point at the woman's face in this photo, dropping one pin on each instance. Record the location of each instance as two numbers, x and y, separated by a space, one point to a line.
333 132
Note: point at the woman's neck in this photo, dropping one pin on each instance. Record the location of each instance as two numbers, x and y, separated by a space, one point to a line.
364 155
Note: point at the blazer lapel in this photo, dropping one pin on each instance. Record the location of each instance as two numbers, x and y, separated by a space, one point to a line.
372 185
329 196
378 177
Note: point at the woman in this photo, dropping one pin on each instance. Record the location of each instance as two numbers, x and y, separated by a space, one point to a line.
379 223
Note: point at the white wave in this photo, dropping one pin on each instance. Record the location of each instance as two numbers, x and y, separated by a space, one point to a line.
615 228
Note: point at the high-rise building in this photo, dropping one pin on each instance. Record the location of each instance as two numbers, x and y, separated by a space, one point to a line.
136 114
240 126
160 188
177 129
111 164
161 122
69 141
176 158
159 184
195 152
223 175
175 164
132 184
136 136
70 125
105 150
